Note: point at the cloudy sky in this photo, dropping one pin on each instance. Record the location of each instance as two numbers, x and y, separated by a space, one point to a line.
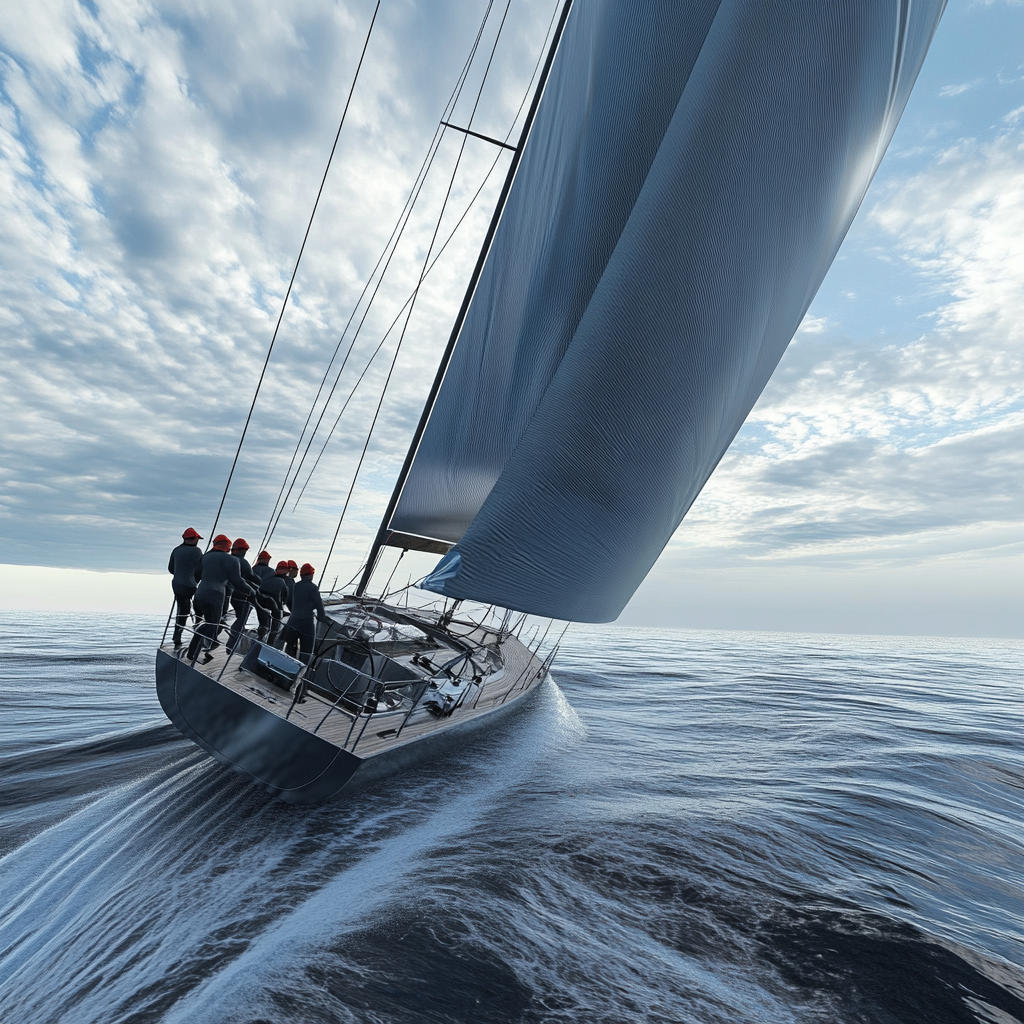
158 163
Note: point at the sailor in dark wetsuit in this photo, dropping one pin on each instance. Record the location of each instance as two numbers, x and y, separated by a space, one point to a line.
243 604
274 592
293 571
218 569
185 559
265 571
299 633
263 568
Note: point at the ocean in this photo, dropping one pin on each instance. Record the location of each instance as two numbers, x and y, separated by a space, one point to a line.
678 826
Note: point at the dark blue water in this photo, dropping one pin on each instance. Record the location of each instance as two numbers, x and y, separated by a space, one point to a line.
689 826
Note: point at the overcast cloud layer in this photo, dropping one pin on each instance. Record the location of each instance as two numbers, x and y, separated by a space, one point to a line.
158 163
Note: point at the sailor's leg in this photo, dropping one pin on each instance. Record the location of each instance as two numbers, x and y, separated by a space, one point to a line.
221 621
183 596
210 611
306 639
263 617
203 632
241 615
289 640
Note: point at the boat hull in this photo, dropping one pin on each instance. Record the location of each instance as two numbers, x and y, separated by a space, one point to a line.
285 760
282 758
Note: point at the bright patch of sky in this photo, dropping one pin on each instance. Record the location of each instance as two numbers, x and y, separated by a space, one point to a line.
158 163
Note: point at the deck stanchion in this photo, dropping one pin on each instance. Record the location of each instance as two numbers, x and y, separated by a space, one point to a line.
167 625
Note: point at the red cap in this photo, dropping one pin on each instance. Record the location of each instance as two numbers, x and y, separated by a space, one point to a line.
191 534
221 543
293 565
263 556
240 545
307 570
282 567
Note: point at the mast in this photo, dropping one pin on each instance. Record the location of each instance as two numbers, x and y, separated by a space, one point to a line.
383 531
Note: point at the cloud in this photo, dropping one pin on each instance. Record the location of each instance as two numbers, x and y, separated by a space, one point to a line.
959 90
865 450
158 164
157 169
813 324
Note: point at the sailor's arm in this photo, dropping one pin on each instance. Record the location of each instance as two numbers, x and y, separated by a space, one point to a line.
234 578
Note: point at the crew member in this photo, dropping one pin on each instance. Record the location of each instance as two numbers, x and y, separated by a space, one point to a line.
263 568
217 571
185 560
300 630
274 591
242 604
293 571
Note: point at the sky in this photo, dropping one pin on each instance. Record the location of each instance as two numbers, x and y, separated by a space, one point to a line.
158 165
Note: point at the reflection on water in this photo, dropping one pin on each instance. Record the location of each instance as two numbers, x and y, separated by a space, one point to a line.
689 826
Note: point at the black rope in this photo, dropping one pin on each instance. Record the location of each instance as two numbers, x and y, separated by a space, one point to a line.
460 319
380 345
393 571
412 304
396 235
369 362
298 260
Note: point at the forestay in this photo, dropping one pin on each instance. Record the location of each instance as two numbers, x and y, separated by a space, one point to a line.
690 174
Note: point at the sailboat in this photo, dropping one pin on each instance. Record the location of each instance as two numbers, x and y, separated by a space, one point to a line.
684 179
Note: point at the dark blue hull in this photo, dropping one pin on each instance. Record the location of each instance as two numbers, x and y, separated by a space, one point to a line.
282 758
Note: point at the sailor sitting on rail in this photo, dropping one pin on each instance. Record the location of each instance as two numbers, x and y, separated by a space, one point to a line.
300 630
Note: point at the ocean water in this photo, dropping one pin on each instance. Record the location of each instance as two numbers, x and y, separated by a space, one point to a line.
679 826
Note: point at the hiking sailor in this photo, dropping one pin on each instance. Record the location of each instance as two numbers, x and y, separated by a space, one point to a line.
218 569
185 560
300 630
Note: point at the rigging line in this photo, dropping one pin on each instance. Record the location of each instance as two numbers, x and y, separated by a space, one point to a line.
298 260
400 227
271 524
295 479
377 350
392 576
412 305
380 345
282 497
337 380
477 135
460 319
424 167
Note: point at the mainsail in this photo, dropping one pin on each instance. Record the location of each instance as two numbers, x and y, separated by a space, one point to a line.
689 176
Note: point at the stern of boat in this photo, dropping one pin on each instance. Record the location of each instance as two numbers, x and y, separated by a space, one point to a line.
282 758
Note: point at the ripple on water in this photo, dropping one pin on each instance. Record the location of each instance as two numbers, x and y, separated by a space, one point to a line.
689 826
